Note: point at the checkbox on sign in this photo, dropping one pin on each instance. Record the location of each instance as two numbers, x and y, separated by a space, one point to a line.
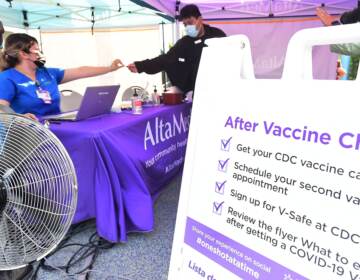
220 187
225 144
223 164
217 207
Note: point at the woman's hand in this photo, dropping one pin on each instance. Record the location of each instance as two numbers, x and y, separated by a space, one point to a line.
31 116
116 64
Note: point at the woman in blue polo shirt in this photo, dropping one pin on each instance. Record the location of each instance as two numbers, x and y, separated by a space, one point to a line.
30 88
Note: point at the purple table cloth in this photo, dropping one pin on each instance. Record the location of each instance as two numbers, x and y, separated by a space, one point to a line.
123 161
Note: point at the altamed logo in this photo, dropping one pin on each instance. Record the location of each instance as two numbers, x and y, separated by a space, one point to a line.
159 130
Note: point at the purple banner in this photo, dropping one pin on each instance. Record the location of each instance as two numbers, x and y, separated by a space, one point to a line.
269 40
233 256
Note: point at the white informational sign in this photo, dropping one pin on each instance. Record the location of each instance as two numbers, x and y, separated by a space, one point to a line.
271 184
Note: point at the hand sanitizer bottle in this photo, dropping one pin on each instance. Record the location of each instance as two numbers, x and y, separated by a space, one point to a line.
156 97
136 103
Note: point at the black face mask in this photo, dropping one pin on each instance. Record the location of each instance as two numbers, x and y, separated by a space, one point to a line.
40 62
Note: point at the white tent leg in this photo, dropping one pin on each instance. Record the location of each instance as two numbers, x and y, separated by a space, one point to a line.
176 32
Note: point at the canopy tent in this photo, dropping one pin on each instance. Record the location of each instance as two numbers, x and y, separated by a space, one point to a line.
62 14
70 14
268 37
269 24
239 9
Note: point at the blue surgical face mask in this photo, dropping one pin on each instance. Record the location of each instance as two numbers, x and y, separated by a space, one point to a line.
191 31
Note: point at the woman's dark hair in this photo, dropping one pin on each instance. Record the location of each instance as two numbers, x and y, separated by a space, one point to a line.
15 43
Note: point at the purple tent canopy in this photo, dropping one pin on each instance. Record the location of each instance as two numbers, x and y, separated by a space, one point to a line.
226 9
269 24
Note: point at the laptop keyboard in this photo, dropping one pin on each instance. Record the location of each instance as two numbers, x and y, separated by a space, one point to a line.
68 116
63 116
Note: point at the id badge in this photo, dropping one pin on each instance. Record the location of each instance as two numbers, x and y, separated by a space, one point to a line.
44 95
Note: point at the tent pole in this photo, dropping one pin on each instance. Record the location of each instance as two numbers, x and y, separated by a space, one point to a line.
177 14
163 74
177 31
92 20
119 10
40 37
163 36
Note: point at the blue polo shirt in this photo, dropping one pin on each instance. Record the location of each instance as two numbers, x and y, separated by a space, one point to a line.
21 92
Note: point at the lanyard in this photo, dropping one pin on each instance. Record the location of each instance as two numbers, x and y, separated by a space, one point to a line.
43 94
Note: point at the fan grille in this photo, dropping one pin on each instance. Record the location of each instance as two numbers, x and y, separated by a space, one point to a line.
38 191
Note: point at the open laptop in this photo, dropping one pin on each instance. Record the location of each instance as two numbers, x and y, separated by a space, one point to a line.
96 101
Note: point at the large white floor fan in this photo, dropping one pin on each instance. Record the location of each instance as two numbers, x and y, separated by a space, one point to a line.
38 191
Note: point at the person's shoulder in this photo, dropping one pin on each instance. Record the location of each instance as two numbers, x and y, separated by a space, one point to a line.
214 31
185 40
8 74
49 70
7 78
44 69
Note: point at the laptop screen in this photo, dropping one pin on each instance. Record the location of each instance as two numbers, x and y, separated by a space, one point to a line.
97 101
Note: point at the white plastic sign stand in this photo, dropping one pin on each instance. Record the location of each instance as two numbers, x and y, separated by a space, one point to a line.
271 184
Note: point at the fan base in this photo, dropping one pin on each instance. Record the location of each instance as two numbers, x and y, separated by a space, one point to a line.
23 273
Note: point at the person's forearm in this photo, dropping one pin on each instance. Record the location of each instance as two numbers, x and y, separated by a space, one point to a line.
91 71
149 66
161 62
84 72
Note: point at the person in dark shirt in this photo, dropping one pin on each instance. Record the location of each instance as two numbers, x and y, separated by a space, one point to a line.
349 17
353 16
181 62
